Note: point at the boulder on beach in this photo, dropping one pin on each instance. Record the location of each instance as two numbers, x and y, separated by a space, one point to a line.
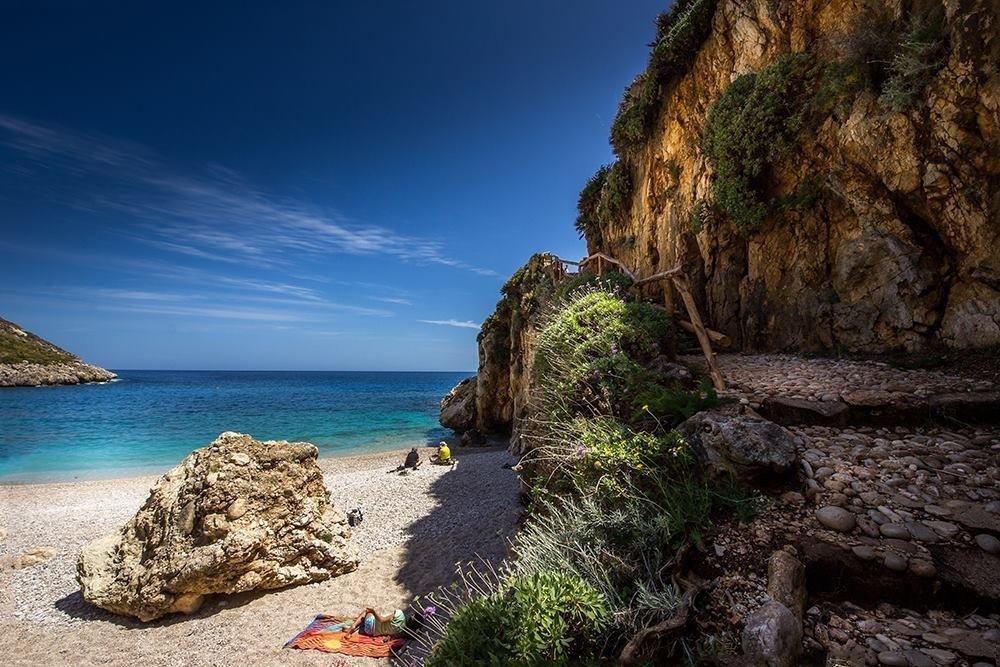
458 407
745 446
234 516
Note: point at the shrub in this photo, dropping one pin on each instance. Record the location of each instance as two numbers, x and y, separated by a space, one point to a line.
604 200
593 348
680 33
613 282
636 114
616 196
752 125
587 220
674 404
919 54
541 618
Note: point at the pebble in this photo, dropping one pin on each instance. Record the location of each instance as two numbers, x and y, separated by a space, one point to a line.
864 552
893 658
988 543
836 518
943 528
894 530
922 568
895 562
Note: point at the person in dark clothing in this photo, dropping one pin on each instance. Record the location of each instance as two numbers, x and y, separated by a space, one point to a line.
412 459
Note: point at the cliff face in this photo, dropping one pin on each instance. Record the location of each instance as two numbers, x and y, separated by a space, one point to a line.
28 360
506 352
897 243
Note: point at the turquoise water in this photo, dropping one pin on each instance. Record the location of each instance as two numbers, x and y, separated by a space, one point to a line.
149 420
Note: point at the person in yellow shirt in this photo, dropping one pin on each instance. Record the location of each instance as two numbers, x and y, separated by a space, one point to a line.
444 455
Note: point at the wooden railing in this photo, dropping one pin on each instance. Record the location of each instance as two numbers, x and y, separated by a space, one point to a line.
673 279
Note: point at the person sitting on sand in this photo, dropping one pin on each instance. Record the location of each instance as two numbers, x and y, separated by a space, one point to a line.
374 624
412 459
443 457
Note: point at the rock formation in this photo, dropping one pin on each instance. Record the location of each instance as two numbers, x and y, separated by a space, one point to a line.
29 361
744 446
884 228
505 353
234 516
458 407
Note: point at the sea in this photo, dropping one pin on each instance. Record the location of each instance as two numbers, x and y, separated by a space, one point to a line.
147 421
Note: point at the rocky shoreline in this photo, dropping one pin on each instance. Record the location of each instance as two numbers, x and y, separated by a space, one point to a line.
26 374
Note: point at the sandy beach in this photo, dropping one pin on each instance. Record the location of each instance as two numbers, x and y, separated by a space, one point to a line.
416 527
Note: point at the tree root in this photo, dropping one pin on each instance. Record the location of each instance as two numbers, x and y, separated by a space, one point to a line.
630 655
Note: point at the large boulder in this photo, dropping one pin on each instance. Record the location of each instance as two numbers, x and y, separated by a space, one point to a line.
745 446
234 516
458 407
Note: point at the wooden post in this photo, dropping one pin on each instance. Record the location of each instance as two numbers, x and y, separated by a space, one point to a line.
680 281
668 295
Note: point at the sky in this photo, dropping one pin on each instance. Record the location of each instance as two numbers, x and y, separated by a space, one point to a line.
295 185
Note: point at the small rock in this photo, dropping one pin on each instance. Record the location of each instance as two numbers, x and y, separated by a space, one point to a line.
922 568
792 498
772 636
836 518
893 658
988 543
33 557
864 552
895 562
894 530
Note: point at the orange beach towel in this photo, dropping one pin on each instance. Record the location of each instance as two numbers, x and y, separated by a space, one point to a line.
329 634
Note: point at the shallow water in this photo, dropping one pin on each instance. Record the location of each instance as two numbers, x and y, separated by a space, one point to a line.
149 420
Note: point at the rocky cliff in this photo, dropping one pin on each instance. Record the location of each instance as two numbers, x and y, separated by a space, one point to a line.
28 360
493 401
843 199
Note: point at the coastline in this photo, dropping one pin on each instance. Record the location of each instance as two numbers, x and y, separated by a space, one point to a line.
153 472
417 527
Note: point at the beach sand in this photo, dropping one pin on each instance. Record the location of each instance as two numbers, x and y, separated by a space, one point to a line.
417 527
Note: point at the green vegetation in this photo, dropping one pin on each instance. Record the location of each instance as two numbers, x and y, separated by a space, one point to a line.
697 216
604 201
899 59
612 281
616 492
680 33
920 53
755 122
541 618
591 354
674 403
587 220
17 346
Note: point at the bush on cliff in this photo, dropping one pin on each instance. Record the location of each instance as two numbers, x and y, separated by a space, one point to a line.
755 122
590 356
680 33
604 201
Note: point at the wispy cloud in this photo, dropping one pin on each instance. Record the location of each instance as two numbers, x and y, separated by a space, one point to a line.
398 300
468 324
214 215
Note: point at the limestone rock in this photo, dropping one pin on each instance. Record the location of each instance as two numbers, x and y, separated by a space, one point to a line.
25 374
234 516
901 247
745 446
458 407
836 518
772 636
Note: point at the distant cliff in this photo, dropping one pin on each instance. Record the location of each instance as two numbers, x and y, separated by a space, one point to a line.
28 360
827 172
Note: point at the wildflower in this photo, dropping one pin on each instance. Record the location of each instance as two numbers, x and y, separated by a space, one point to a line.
430 610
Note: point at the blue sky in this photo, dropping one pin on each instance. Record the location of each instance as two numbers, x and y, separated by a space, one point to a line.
301 185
